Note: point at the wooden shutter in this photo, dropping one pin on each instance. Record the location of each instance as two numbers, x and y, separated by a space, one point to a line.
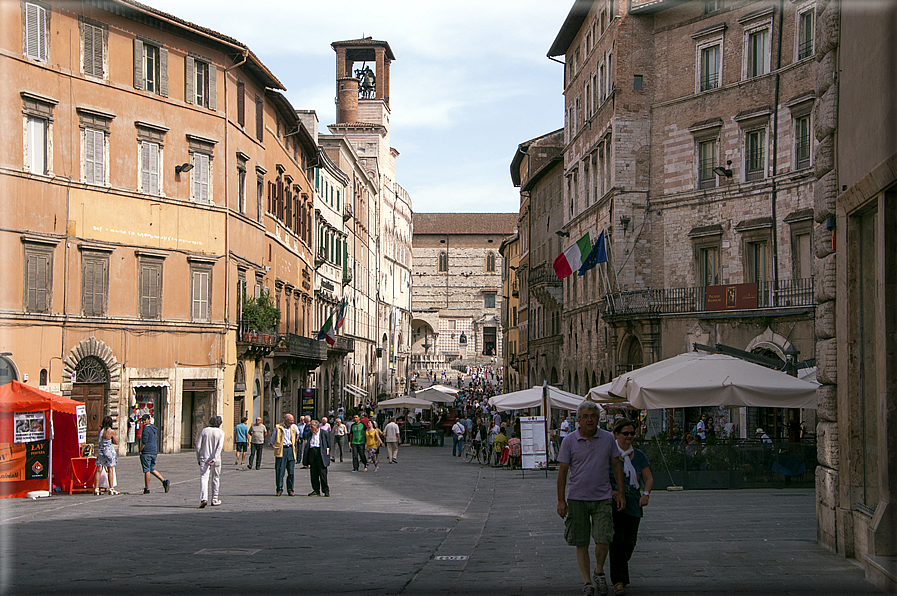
37 275
200 295
259 123
213 88
93 49
154 168
189 80
139 82
94 153
163 72
241 103
35 32
93 286
200 178
150 286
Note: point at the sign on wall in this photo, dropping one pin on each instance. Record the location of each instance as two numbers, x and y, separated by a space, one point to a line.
731 297
308 406
81 416
29 427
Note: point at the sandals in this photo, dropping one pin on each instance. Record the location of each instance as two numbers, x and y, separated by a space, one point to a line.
112 491
619 589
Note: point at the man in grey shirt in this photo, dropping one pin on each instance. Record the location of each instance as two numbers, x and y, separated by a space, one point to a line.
257 435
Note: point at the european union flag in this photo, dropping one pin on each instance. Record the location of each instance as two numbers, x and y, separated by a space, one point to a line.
598 254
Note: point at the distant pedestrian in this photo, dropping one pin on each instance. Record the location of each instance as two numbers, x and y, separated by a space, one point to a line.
286 440
637 472
458 430
106 457
392 441
258 433
339 439
588 456
241 432
208 456
372 444
317 458
356 439
149 449
304 428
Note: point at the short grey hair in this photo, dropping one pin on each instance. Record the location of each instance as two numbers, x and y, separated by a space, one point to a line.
587 405
215 421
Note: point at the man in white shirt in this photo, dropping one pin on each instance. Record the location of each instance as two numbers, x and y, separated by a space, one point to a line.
316 457
458 430
208 456
392 441
565 427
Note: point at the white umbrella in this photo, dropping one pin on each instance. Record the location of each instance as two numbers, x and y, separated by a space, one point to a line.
444 389
435 395
532 398
701 379
404 402
601 395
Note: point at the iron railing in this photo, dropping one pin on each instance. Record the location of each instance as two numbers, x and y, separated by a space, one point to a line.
544 274
788 293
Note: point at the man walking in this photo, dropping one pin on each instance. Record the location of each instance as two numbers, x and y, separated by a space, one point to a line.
241 432
392 441
458 431
208 456
317 458
356 439
587 455
286 438
149 449
339 439
257 433
303 437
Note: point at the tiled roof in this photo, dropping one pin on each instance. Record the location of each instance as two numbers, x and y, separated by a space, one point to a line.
465 223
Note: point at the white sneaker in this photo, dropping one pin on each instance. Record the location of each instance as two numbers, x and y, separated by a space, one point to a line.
215 503
600 582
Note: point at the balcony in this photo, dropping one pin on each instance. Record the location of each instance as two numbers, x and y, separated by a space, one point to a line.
254 344
301 351
343 345
789 293
515 289
544 275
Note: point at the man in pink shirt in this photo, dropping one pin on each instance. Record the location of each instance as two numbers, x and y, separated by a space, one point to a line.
586 455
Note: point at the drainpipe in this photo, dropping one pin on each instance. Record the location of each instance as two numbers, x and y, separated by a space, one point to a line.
775 147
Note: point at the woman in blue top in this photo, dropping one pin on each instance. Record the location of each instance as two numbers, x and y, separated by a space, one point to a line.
638 480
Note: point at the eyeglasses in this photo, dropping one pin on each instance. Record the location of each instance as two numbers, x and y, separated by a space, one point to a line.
628 433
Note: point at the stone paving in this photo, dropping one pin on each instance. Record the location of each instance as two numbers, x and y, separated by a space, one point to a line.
430 524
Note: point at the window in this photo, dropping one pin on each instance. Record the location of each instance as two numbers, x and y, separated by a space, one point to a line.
241 103
93 54
708 266
35 34
490 262
754 155
94 156
200 85
443 262
36 145
710 67
805 33
706 163
802 142
200 178
637 82
259 194
200 294
94 283
149 168
150 67
757 53
756 255
150 288
259 122
38 276
241 185
489 300
712 6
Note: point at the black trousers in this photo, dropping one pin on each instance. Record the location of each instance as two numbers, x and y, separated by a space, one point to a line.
358 456
255 454
318 471
338 444
625 537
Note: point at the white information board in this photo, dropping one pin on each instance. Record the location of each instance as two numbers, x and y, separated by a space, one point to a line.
532 443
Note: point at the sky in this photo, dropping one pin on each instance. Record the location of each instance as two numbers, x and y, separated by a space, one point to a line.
470 82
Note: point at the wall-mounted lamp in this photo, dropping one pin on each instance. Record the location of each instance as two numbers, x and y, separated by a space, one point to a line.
184 167
624 222
512 267
721 171
563 234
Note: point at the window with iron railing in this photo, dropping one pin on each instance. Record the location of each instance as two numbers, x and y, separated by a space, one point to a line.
706 163
755 155
805 35
802 148
710 68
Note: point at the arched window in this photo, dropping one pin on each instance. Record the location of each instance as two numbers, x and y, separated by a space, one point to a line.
490 262
443 262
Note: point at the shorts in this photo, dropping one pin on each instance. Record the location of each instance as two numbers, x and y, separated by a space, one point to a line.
241 447
587 519
148 461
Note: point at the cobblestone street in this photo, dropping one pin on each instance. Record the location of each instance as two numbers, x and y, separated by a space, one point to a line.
429 525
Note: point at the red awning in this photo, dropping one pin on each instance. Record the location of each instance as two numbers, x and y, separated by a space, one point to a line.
17 397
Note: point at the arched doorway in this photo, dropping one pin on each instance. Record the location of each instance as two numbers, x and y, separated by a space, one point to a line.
97 380
631 355
90 380
554 377
240 394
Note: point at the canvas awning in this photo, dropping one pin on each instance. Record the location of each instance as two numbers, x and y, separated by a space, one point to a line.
404 402
139 383
356 391
18 397
532 398
699 379
435 394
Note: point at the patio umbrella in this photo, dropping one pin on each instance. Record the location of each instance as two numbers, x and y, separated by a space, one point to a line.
444 389
701 379
435 395
404 402
532 398
601 395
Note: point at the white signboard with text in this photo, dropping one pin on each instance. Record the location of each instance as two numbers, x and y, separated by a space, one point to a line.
82 423
532 443
29 427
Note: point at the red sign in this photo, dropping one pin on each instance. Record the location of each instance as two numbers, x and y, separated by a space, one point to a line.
732 297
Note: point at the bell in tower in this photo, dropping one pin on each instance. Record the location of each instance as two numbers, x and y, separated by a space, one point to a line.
362 75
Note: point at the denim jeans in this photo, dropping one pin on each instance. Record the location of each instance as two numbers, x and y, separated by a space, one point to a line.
457 445
287 464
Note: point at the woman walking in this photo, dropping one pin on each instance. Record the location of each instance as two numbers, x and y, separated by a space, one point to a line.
638 483
372 442
106 457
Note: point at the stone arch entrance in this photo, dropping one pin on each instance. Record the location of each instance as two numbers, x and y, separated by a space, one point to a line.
93 376
631 354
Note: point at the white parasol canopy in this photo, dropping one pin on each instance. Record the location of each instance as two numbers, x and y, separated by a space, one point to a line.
701 379
532 398
435 394
445 389
601 395
404 402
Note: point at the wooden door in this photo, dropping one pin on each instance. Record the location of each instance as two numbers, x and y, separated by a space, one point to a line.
93 396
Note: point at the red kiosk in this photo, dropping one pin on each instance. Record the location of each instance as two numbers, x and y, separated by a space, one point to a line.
38 440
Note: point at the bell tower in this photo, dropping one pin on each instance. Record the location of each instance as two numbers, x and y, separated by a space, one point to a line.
362 80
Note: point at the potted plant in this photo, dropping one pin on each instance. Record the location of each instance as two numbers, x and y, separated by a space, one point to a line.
260 316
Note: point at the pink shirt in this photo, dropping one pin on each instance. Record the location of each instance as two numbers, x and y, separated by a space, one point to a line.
590 467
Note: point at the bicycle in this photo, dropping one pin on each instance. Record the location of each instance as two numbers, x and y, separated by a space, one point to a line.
476 450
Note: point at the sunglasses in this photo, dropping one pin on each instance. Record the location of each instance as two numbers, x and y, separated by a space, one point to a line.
628 433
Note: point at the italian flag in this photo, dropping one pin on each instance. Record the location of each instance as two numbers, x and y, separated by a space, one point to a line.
327 332
571 259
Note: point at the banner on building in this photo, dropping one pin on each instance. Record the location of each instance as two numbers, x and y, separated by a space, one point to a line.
309 399
81 416
24 461
29 427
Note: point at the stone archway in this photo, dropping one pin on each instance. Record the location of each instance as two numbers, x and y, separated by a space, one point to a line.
101 353
769 343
